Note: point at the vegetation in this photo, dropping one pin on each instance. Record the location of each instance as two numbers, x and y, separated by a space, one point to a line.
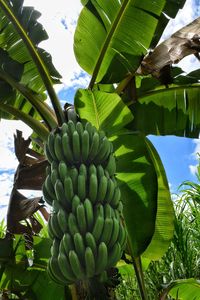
133 92
180 262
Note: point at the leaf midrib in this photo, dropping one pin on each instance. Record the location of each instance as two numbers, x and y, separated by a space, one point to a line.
107 42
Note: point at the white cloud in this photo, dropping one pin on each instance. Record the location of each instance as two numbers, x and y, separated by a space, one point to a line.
60 42
8 129
193 168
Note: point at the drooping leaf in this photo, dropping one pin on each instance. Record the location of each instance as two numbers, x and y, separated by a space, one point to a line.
164 228
182 43
110 40
139 188
17 59
169 111
104 110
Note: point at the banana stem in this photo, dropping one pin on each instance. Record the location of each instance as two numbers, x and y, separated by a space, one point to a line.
140 277
138 272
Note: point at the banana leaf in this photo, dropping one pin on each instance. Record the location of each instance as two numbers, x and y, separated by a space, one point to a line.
15 59
110 40
171 111
184 289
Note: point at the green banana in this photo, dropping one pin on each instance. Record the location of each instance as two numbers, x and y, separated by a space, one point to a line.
102 258
54 166
115 233
64 128
61 247
50 145
76 265
110 190
114 255
94 148
81 218
70 114
93 188
108 211
54 177
79 245
72 224
98 227
55 247
119 208
83 170
76 146
68 189
47 153
79 128
58 147
104 151
56 206
62 170
48 170
100 172
60 194
116 198
62 220
98 211
89 262
67 151
51 275
81 187
73 173
48 189
122 237
54 227
46 196
89 213
107 230
71 126
102 189
89 128
65 268
75 202
111 165
67 243
92 170
90 242
55 271
85 145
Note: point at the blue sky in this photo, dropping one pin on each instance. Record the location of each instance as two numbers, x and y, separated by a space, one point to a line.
59 20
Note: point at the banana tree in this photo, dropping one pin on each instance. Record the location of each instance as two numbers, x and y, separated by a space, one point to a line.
130 95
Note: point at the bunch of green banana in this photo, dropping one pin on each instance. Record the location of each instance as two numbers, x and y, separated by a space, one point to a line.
85 224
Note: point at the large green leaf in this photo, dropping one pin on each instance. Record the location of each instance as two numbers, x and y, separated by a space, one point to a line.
15 55
169 111
110 40
104 110
164 229
183 289
139 187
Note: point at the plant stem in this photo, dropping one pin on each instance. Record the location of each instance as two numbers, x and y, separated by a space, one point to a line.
38 127
2 269
140 276
138 272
